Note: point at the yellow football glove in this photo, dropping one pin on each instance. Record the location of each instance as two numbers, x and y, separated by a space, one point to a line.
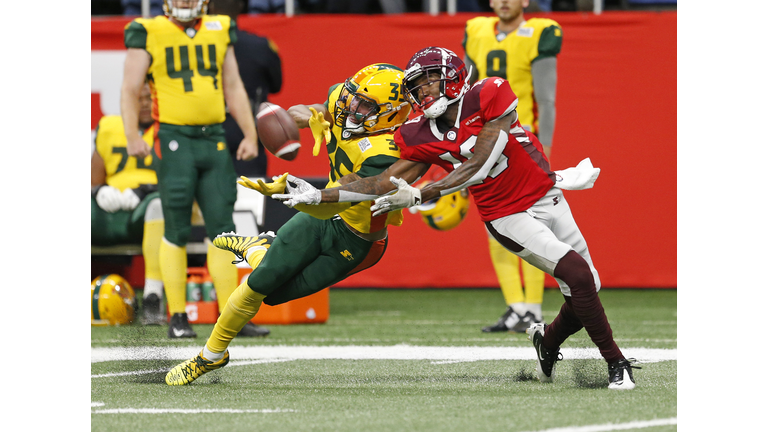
277 186
320 128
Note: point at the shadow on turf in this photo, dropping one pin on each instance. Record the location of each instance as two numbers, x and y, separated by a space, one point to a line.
589 374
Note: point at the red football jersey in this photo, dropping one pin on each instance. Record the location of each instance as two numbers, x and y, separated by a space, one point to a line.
521 175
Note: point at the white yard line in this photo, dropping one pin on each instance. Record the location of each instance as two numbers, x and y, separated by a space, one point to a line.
356 352
186 411
615 426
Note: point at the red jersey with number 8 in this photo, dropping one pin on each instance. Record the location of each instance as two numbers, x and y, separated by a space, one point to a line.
521 175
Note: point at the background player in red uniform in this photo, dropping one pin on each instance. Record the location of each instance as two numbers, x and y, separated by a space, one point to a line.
475 135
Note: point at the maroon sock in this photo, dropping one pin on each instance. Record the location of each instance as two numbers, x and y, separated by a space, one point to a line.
565 324
585 306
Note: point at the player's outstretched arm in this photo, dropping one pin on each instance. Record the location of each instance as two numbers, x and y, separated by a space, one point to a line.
365 189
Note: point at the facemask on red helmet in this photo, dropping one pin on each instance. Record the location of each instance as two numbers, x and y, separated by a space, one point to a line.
438 65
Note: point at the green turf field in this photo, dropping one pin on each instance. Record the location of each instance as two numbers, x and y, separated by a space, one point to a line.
394 360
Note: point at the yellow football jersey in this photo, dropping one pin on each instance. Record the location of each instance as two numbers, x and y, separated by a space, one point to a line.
123 171
367 156
185 72
511 57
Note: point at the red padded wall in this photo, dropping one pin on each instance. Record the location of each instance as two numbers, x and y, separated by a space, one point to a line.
616 103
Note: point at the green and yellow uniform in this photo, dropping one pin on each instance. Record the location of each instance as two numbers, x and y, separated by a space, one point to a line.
511 57
185 77
311 253
122 172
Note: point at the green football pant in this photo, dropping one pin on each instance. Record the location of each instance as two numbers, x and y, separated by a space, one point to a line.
309 255
194 163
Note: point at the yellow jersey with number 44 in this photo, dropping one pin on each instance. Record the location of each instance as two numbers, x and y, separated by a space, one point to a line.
123 171
185 71
510 57
366 156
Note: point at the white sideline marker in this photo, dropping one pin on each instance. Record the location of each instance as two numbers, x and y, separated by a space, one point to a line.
615 426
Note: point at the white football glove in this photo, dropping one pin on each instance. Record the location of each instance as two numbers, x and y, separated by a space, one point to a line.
109 199
129 200
406 196
583 176
302 193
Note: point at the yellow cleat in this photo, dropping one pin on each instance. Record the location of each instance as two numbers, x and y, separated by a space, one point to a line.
239 245
190 370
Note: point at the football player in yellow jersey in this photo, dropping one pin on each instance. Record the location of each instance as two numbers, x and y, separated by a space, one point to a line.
189 60
524 52
323 244
125 207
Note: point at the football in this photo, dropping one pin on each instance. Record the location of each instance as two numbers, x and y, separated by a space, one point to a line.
278 131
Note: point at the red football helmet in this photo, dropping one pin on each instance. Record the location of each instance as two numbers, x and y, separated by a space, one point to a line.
454 79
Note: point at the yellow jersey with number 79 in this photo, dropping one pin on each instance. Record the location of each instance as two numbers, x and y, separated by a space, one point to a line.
186 67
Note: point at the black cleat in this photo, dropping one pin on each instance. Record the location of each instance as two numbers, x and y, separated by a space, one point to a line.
509 319
545 359
620 374
180 328
152 312
252 330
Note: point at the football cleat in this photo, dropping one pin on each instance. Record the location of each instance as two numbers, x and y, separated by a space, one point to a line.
546 359
501 324
239 245
524 323
620 374
180 328
252 330
190 370
152 313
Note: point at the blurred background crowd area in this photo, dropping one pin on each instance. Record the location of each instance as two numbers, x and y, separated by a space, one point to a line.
133 7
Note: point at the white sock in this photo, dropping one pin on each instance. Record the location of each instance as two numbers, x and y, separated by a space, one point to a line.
535 309
519 308
152 286
212 356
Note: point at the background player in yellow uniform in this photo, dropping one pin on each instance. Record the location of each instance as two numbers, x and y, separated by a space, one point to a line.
125 205
524 52
190 63
323 244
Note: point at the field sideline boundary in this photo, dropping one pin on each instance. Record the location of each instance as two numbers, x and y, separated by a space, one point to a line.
357 352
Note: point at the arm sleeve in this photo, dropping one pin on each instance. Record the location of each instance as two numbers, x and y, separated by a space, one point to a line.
544 74
135 35
375 165
232 32
550 42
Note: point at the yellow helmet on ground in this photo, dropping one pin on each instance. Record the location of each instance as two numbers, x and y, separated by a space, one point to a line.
445 212
372 101
113 301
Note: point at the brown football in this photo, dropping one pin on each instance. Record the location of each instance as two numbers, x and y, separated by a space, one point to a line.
278 131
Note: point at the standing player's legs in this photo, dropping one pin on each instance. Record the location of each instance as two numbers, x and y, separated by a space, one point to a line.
216 195
524 304
154 225
177 182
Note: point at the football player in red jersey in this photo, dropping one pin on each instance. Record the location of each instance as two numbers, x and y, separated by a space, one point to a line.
473 132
